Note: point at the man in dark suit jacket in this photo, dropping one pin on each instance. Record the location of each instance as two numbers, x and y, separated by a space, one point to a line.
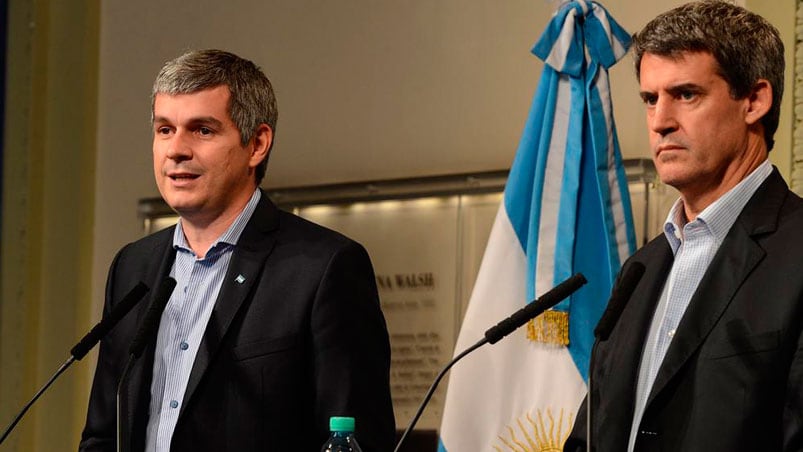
707 353
275 323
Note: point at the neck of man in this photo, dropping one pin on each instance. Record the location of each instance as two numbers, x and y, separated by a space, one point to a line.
201 230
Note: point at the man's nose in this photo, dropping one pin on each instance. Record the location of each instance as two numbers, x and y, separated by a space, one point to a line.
663 118
179 147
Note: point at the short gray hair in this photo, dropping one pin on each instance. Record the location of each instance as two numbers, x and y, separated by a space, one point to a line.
252 100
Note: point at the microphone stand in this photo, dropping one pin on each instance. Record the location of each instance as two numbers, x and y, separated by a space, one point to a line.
147 329
590 393
84 345
431 390
500 330
119 396
630 277
41 391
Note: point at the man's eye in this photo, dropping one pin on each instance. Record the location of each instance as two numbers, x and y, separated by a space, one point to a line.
688 95
163 130
650 100
205 131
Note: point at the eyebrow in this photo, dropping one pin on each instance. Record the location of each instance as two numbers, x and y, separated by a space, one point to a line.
201 120
675 90
685 88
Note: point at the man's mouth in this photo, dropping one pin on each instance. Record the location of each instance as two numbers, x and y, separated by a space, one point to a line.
182 176
667 148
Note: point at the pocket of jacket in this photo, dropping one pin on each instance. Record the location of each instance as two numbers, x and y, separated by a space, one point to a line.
742 345
256 349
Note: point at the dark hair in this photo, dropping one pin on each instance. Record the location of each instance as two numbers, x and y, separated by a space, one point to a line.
746 47
252 100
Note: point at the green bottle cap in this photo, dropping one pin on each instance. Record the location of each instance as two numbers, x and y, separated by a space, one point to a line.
341 424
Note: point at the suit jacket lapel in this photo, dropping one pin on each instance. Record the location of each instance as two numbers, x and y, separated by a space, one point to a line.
253 247
736 258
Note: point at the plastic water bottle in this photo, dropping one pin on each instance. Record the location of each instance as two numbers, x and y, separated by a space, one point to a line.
341 438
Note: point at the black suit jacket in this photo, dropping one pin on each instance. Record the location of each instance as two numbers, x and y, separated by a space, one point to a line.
296 336
732 378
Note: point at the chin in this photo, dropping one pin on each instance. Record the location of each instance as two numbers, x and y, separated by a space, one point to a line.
671 172
676 181
669 178
179 203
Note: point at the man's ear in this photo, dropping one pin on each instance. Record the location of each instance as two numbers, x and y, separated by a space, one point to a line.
759 101
263 138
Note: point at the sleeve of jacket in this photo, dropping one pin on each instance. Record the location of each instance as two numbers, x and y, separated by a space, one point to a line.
352 350
793 411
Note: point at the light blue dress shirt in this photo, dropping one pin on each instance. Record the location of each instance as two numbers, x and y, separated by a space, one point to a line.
184 322
694 245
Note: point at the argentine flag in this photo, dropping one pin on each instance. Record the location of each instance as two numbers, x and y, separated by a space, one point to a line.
566 209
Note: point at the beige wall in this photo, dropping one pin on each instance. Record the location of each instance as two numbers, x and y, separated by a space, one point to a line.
366 90
48 202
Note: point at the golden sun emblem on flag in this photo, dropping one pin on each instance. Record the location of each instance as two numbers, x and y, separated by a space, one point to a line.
538 436
551 327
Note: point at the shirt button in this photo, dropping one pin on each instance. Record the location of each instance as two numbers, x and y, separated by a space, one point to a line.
671 333
185 289
173 404
184 346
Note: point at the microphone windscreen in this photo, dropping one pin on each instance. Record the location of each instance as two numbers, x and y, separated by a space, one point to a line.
108 322
534 308
151 321
619 297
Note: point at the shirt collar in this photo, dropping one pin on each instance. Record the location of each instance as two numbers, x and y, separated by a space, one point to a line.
722 213
231 235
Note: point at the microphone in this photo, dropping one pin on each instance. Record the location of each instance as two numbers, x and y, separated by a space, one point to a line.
619 298
86 343
533 309
107 323
151 320
621 294
500 330
145 333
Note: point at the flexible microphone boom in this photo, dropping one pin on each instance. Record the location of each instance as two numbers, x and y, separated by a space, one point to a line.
145 334
616 304
619 298
86 343
151 320
500 330
107 323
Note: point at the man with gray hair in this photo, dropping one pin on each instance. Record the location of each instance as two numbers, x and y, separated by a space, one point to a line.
274 325
707 353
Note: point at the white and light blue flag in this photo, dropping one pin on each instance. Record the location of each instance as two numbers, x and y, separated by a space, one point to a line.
566 209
